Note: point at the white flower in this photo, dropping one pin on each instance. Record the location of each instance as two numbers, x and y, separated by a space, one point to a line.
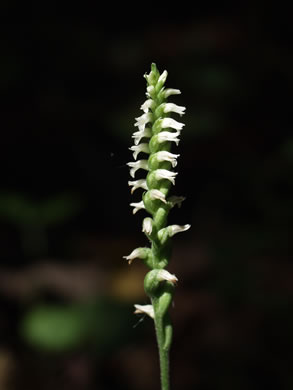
167 156
147 105
150 90
156 194
174 229
140 164
138 253
164 136
141 183
163 77
147 225
165 174
145 309
165 275
139 148
138 135
170 91
171 107
143 120
137 206
176 200
169 122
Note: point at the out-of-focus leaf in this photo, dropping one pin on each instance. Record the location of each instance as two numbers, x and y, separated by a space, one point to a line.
55 328
102 324
17 209
58 209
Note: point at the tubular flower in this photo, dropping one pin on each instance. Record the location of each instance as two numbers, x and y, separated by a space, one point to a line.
144 309
157 133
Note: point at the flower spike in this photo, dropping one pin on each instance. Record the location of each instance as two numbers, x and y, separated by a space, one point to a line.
159 132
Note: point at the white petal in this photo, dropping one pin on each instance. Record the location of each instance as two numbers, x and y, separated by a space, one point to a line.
165 275
138 253
142 120
167 156
174 229
150 77
171 107
176 200
170 122
163 77
139 148
156 194
145 309
136 165
147 225
137 206
164 136
165 174
138 135
170 91
141 183
150 90
147 105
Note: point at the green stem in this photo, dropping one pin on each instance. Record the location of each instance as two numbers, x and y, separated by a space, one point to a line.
163 329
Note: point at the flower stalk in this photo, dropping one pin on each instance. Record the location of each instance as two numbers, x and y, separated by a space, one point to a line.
157 133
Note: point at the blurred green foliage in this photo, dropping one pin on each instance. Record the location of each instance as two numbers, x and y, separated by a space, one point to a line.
17 209
57 328
34 218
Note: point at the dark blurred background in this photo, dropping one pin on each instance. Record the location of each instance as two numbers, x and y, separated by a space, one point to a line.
72 85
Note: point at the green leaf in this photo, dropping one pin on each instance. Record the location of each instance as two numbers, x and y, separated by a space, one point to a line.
55 328
59 209
102 325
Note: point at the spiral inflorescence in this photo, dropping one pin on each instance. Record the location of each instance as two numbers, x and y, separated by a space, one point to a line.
156 133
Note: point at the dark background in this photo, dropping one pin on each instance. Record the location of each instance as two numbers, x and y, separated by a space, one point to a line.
72 85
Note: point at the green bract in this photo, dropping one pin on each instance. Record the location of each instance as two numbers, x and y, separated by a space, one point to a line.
157 133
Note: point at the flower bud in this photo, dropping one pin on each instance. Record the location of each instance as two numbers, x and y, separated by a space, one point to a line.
161 81
147 225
